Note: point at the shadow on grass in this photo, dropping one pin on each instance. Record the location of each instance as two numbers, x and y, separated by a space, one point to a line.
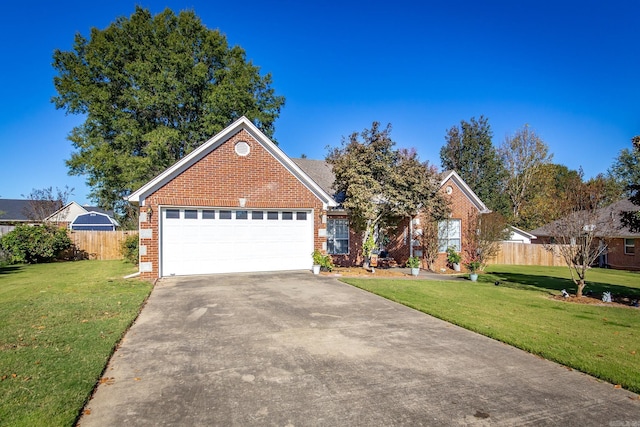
8 269
554 285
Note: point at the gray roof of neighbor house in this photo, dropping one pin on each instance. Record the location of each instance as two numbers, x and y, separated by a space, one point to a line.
609 215
16 209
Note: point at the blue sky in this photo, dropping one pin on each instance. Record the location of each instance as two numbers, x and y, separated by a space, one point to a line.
569 69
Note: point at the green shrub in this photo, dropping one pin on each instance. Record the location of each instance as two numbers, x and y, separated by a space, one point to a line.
324 261
413 262
34 244
130 249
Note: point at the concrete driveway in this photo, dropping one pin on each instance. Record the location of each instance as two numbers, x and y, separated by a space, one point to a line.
293 349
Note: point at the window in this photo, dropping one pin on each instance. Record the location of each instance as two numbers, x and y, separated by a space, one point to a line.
242 214
287 215
301 216
257 215
630 246
449 235
190 214
207 214
338 236
173 213
225 214
272 215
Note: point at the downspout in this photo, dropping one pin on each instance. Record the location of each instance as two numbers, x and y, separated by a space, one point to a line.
410 237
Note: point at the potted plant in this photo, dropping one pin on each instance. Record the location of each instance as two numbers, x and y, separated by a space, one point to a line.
317 261
414 263
453 258
321 261
473 267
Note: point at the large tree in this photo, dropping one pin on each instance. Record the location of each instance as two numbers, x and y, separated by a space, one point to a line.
626 170
382 185
152 89
522 155
550 183
470 152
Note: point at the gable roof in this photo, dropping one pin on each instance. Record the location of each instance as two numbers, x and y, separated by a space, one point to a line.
322 173
221 137
609 216
86 208
522 232
17 209
471 195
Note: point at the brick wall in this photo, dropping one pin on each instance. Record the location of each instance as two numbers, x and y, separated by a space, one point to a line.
461 207
220 179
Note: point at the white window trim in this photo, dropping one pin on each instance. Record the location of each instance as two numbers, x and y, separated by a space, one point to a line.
448 238
632 245
331 230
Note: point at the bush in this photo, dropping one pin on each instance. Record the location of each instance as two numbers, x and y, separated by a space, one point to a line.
130 249
34 244
324 261
413 262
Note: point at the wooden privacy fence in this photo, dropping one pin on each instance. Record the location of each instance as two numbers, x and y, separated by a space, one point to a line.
527 254
99 244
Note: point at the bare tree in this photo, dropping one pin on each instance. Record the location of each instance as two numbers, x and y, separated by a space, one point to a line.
522 154
580 236
482 238
43 202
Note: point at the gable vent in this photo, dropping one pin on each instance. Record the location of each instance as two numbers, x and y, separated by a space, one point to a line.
242 148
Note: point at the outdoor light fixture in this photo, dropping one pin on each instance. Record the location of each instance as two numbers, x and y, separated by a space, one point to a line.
149 211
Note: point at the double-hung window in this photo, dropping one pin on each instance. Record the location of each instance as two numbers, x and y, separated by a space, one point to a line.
629 246
338 236
449 235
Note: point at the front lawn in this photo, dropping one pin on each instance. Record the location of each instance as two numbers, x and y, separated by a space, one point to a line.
59 324
601 341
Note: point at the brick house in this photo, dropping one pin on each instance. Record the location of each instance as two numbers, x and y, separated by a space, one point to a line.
345 245
622 243
237 204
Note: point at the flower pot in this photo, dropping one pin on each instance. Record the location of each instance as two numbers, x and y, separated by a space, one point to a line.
316 269
415 271
456 266
473 277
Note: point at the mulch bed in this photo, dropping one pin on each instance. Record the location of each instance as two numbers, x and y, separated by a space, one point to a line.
617 301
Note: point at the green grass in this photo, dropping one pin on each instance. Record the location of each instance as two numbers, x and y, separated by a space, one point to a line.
601 341
59 324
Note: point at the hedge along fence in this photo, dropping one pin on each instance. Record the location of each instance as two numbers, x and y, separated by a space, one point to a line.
527 254
102 245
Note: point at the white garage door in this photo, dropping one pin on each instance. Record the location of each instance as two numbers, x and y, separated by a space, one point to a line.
204 241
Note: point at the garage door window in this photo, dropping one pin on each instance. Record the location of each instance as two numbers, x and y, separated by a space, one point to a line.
190 214
225 214
257 215
301 216
242 215
272 215
287 215
173 213
207 214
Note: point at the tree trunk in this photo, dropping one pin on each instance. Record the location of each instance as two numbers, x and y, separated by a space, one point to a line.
581 284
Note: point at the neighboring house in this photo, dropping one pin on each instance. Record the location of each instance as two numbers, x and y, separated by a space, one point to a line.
19 211
238 204
71 210
93 221
623 250
517 235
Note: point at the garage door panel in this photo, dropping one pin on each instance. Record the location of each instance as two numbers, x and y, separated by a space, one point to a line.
203 246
